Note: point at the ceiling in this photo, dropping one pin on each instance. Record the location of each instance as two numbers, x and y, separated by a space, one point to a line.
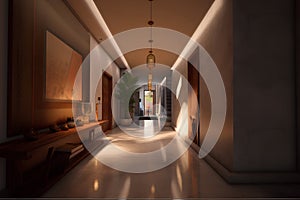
138 57
120 15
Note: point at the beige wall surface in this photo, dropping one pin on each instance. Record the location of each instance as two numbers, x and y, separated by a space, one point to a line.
216 38
264 86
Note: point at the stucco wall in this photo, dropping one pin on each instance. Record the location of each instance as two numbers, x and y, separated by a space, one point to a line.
264 85
216 39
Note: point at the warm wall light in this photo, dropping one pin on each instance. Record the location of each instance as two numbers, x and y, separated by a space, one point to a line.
90 7
96 185
179 178
152 189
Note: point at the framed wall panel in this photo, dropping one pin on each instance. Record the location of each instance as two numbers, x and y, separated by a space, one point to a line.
62 66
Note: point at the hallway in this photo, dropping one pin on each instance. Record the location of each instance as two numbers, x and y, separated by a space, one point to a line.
86 87
188 177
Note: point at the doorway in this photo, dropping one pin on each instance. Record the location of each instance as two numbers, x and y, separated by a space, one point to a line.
193 78
106 98
149 102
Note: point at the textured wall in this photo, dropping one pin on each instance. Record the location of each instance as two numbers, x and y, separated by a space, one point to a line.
264 85
216 39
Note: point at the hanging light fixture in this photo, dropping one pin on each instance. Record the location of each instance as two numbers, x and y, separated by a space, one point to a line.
151 57
151 60
150 81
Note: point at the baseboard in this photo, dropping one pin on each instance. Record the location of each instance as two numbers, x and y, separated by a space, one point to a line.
250 177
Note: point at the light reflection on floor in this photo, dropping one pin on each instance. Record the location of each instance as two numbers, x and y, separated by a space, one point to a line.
145 128
140 144
188 177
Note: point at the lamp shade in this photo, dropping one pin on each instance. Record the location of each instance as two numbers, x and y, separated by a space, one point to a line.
151 60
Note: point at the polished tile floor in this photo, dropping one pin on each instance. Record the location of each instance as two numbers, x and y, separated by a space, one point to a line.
187 177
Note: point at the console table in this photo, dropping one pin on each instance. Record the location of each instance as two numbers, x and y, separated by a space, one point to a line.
26 160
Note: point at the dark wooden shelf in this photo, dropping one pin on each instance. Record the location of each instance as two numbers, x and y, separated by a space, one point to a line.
26 161
21 148
35 184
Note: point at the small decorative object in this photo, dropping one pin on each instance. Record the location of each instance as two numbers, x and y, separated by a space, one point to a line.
54 128
64 127
70 122
79 122
86 111
70 119
31 135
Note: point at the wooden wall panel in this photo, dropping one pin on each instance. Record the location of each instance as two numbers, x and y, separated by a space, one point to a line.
29 21
20 82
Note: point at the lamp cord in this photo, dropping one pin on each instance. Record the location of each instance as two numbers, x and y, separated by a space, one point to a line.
151 25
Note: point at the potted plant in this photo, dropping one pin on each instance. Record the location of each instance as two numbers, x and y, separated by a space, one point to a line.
124 91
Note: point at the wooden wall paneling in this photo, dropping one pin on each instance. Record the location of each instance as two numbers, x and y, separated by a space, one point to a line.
20 70
106 98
